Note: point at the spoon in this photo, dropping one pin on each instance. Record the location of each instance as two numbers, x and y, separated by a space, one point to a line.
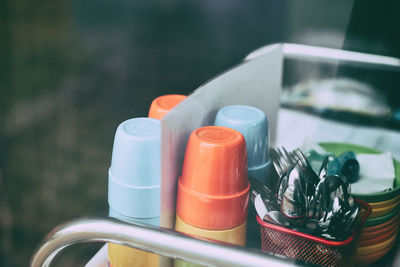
270 216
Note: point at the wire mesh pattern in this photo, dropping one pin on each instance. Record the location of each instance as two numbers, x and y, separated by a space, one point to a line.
284 243
289 246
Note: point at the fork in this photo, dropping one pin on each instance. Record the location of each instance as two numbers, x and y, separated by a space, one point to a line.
283 160
288 159
268 197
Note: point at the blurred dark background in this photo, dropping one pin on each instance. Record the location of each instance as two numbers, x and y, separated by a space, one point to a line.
71 71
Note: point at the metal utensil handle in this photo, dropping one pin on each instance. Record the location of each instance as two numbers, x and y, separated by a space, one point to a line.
161 241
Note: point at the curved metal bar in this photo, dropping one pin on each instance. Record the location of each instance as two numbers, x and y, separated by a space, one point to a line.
298 51
320 54
164 242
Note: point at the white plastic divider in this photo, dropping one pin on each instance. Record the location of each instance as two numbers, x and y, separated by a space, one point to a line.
255 82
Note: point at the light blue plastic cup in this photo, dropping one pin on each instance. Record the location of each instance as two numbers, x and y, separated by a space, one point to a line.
253 124
135 174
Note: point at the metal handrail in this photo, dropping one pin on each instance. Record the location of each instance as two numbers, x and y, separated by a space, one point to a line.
161 241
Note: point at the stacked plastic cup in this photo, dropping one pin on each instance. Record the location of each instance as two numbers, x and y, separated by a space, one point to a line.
134 184
213 190
253 124
163 104
160 107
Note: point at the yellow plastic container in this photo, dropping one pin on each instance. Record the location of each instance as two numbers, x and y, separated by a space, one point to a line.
121 256
236 236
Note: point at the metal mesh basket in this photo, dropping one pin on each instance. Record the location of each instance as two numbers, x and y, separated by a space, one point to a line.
282 242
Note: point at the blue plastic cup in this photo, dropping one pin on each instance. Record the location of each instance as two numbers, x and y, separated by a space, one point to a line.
252 123
135 172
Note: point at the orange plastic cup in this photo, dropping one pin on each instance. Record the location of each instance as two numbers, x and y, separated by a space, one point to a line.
213 190
163 104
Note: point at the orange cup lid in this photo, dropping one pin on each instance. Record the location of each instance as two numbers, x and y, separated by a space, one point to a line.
213 189
163 104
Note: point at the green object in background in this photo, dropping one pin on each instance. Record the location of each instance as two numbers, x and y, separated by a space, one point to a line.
338 148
